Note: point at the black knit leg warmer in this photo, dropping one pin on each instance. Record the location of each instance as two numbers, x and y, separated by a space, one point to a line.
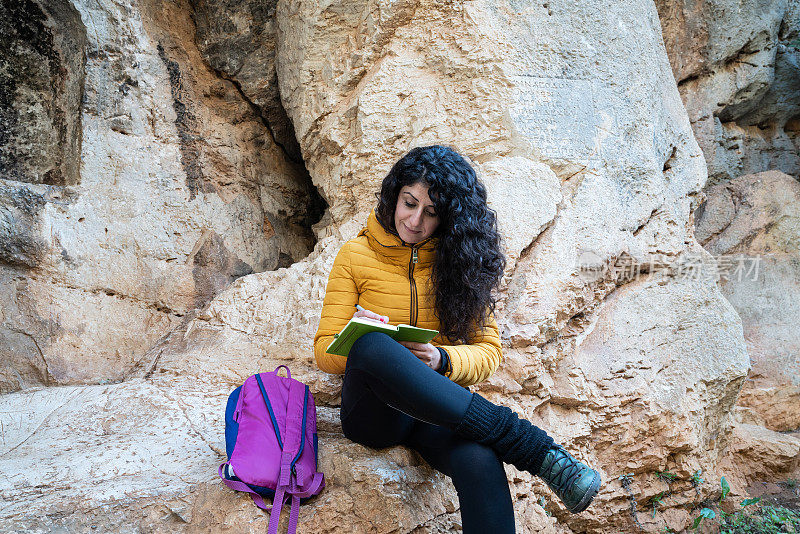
517 441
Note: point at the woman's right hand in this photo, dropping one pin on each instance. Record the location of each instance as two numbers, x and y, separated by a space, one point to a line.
366 314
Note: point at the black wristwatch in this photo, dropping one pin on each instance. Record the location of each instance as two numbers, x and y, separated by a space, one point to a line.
444 366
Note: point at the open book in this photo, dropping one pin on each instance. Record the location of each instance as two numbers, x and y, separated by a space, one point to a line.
358 326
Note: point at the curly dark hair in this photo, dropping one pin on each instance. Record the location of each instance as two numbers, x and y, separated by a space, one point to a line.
468 262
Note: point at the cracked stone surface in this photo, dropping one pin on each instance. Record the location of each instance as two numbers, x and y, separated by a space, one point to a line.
182 190
737 67
238 40
41 86
573 119
752 225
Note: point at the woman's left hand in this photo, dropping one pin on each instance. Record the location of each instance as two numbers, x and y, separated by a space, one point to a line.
426 352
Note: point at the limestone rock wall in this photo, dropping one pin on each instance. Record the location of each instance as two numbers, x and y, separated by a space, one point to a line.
752 223
237 39
737 66
41 88
182 189
572 117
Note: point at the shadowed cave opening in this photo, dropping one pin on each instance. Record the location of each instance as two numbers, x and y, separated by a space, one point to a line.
237 41
292 207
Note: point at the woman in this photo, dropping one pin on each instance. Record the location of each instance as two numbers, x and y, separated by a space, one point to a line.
430 256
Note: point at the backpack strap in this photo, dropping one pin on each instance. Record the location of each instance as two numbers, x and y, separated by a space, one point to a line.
275 515
238 485
288 372
316 482
281 497
294 432
292 447
294 514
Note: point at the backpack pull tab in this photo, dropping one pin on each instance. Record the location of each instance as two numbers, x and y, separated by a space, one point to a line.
286 470
298 472
285 477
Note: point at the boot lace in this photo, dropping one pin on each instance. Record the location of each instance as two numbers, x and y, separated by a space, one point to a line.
568 472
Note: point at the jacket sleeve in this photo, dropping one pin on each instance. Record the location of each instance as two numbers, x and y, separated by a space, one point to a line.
477 361
341 297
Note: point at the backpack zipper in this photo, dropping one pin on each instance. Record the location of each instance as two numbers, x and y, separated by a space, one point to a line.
413 284
303 435
238 410
269 408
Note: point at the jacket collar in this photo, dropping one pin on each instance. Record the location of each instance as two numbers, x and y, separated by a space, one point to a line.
391 246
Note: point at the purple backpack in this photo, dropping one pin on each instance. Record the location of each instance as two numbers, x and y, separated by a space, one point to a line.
271 442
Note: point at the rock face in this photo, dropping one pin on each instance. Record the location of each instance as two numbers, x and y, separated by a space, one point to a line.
237 39
613 342
752 225
737 67
181 190
42 65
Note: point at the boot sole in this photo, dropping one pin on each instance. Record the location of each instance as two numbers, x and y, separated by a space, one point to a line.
588 496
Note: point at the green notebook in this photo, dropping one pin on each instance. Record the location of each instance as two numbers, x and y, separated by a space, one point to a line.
358 326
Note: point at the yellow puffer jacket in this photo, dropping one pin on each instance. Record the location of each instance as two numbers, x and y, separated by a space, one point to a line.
383 274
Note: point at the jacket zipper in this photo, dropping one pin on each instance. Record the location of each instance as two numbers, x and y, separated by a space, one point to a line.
413 284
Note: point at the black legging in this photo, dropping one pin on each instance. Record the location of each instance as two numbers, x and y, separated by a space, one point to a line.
390 397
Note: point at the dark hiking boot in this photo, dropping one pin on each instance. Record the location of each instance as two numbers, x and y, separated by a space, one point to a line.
573 482
528 448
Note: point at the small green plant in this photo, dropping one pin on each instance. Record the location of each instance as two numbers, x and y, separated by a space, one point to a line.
696 478
696 481
708 513
666 476
626 480
765 520
725 489
751 516
656 501
705 513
